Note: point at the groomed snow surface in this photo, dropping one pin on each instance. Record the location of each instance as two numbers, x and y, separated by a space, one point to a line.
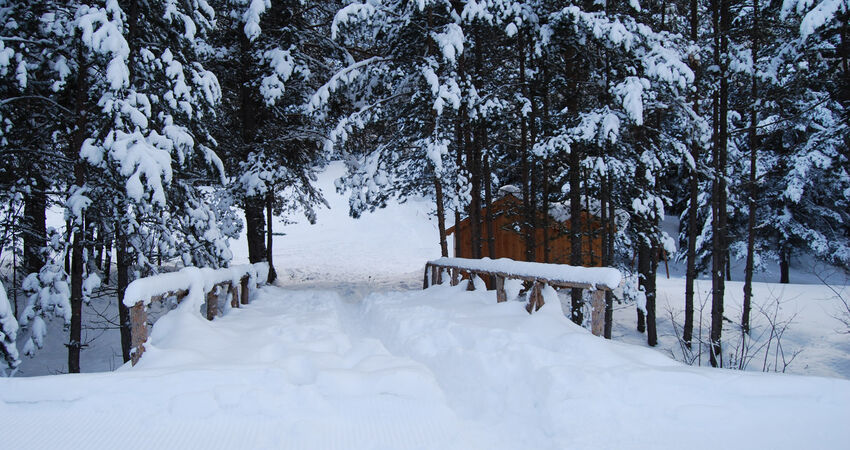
439 368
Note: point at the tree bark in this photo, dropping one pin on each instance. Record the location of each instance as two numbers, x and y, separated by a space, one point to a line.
720 248
269 237
255 225
784 264
35 229
488 202
693 200
441 217
123 265
575 229
751 217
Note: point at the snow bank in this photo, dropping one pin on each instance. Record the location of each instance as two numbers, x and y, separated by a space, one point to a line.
193 279
438 368
599 277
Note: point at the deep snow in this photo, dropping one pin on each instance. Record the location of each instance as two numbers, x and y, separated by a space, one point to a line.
440 368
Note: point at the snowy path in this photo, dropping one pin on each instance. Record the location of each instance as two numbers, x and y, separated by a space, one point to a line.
441 368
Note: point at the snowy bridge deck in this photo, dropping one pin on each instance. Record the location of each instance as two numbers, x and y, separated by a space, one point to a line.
438 368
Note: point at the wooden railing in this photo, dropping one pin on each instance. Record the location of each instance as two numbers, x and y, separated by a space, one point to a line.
201 285
597 279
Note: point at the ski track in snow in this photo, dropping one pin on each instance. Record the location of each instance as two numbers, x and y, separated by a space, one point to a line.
439 368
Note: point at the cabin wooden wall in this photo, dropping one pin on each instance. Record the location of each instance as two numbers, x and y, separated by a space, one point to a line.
510 243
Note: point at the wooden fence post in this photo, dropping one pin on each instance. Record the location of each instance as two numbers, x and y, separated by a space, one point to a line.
455 276
471 285
234 295
501 295
246 293
138 331
436 275
597 314
535 297
425 277
212 303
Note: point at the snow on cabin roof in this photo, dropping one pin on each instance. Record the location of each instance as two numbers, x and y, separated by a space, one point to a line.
510 189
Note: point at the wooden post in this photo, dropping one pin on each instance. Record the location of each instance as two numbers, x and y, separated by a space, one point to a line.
535 297
212 303
234 295
501 295
246 293
138 331
425 277
597 314
437 275
471 285
455 276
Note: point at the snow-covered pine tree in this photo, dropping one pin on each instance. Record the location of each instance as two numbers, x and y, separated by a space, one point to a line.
394 102
282 51
142 138
626 122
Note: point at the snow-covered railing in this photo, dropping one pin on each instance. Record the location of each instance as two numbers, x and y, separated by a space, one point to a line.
196 285
596 279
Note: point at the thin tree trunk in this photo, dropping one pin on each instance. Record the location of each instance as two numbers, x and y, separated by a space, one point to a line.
525 165
269 237
784 265
693 201
123 265
751 219
719 251
575 229
648 267
78 230
488 202
609 296
441 217
35 229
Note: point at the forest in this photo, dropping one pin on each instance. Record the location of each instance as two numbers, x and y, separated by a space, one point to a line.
157 126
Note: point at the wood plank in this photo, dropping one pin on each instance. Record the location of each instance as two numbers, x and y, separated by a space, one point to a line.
425 277
138 331
234 295
597 314
212 303
501 295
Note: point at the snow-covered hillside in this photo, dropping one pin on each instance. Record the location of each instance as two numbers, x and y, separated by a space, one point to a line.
440 368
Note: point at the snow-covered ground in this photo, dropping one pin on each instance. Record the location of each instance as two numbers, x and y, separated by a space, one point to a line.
440 368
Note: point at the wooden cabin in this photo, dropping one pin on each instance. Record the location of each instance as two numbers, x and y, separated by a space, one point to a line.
509 241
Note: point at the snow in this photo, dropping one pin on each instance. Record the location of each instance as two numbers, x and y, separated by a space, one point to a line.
601 277
439 368
390 245
192 279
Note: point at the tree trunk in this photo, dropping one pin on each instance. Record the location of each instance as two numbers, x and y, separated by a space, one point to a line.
609 296
525 164
255 228
784 262
35 229
648 279
123 265
269 237
751 217
441 217
693 199
488 202
575 229
719 250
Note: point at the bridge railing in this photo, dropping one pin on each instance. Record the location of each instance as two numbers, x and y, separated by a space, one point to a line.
198 285
596 279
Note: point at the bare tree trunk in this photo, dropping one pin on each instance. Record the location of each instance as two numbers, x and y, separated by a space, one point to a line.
269 235
693 201
77 230
575 229
649 285
441 216
488 202
525 166
719 250
784 264
123 265
255 227
751 219
35 228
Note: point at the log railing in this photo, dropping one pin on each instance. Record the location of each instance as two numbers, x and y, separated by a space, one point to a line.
202 286
597 279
